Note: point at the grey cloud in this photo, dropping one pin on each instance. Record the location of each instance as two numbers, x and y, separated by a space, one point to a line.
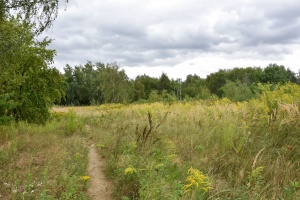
259 29
161 32
289 12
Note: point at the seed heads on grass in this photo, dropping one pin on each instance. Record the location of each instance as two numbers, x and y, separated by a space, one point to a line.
147 135
256 157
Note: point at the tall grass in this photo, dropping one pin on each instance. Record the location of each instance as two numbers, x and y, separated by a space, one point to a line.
212 149
42 162
247 150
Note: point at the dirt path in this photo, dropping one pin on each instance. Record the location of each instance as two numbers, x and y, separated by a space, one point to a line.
99 187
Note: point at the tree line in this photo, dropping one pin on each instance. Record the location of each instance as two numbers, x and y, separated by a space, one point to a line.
97 83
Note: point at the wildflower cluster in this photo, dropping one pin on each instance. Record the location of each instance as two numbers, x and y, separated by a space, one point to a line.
129 170
196 180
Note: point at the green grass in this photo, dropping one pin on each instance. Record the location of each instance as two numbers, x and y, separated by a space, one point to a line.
189 150
42 162
244 150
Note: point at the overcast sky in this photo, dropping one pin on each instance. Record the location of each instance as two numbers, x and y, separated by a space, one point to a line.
178 37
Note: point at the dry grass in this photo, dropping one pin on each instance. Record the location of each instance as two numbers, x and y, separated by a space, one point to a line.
231 137
246 150
39 162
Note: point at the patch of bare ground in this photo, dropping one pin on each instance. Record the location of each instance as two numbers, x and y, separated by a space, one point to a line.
99 187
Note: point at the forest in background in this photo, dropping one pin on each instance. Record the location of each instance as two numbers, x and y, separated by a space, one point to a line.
97 83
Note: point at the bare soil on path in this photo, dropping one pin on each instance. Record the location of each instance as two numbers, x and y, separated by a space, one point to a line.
99 187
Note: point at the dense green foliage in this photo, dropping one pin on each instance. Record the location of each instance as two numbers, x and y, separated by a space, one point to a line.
237 91
97 83
29 87
277 74
195 87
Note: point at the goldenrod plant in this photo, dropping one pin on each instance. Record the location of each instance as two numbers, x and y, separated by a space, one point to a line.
196 181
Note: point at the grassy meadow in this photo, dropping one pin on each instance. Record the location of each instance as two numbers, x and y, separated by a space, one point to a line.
213 149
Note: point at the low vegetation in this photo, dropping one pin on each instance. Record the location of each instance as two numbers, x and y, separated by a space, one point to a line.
42 162
212 149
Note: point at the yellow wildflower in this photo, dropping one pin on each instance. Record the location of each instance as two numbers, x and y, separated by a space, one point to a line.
129 170
196 180
85 178
100 146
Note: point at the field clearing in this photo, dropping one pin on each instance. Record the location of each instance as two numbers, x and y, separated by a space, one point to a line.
79 110
188 150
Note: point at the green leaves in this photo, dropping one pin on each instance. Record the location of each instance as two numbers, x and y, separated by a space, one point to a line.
41 13
97 83
274 73
114 84
28 83
237 91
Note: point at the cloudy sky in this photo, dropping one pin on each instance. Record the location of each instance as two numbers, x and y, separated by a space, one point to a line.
178 37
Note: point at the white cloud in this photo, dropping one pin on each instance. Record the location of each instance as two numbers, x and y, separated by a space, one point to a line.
152 36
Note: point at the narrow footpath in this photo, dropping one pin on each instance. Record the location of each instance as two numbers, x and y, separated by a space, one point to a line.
99 187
